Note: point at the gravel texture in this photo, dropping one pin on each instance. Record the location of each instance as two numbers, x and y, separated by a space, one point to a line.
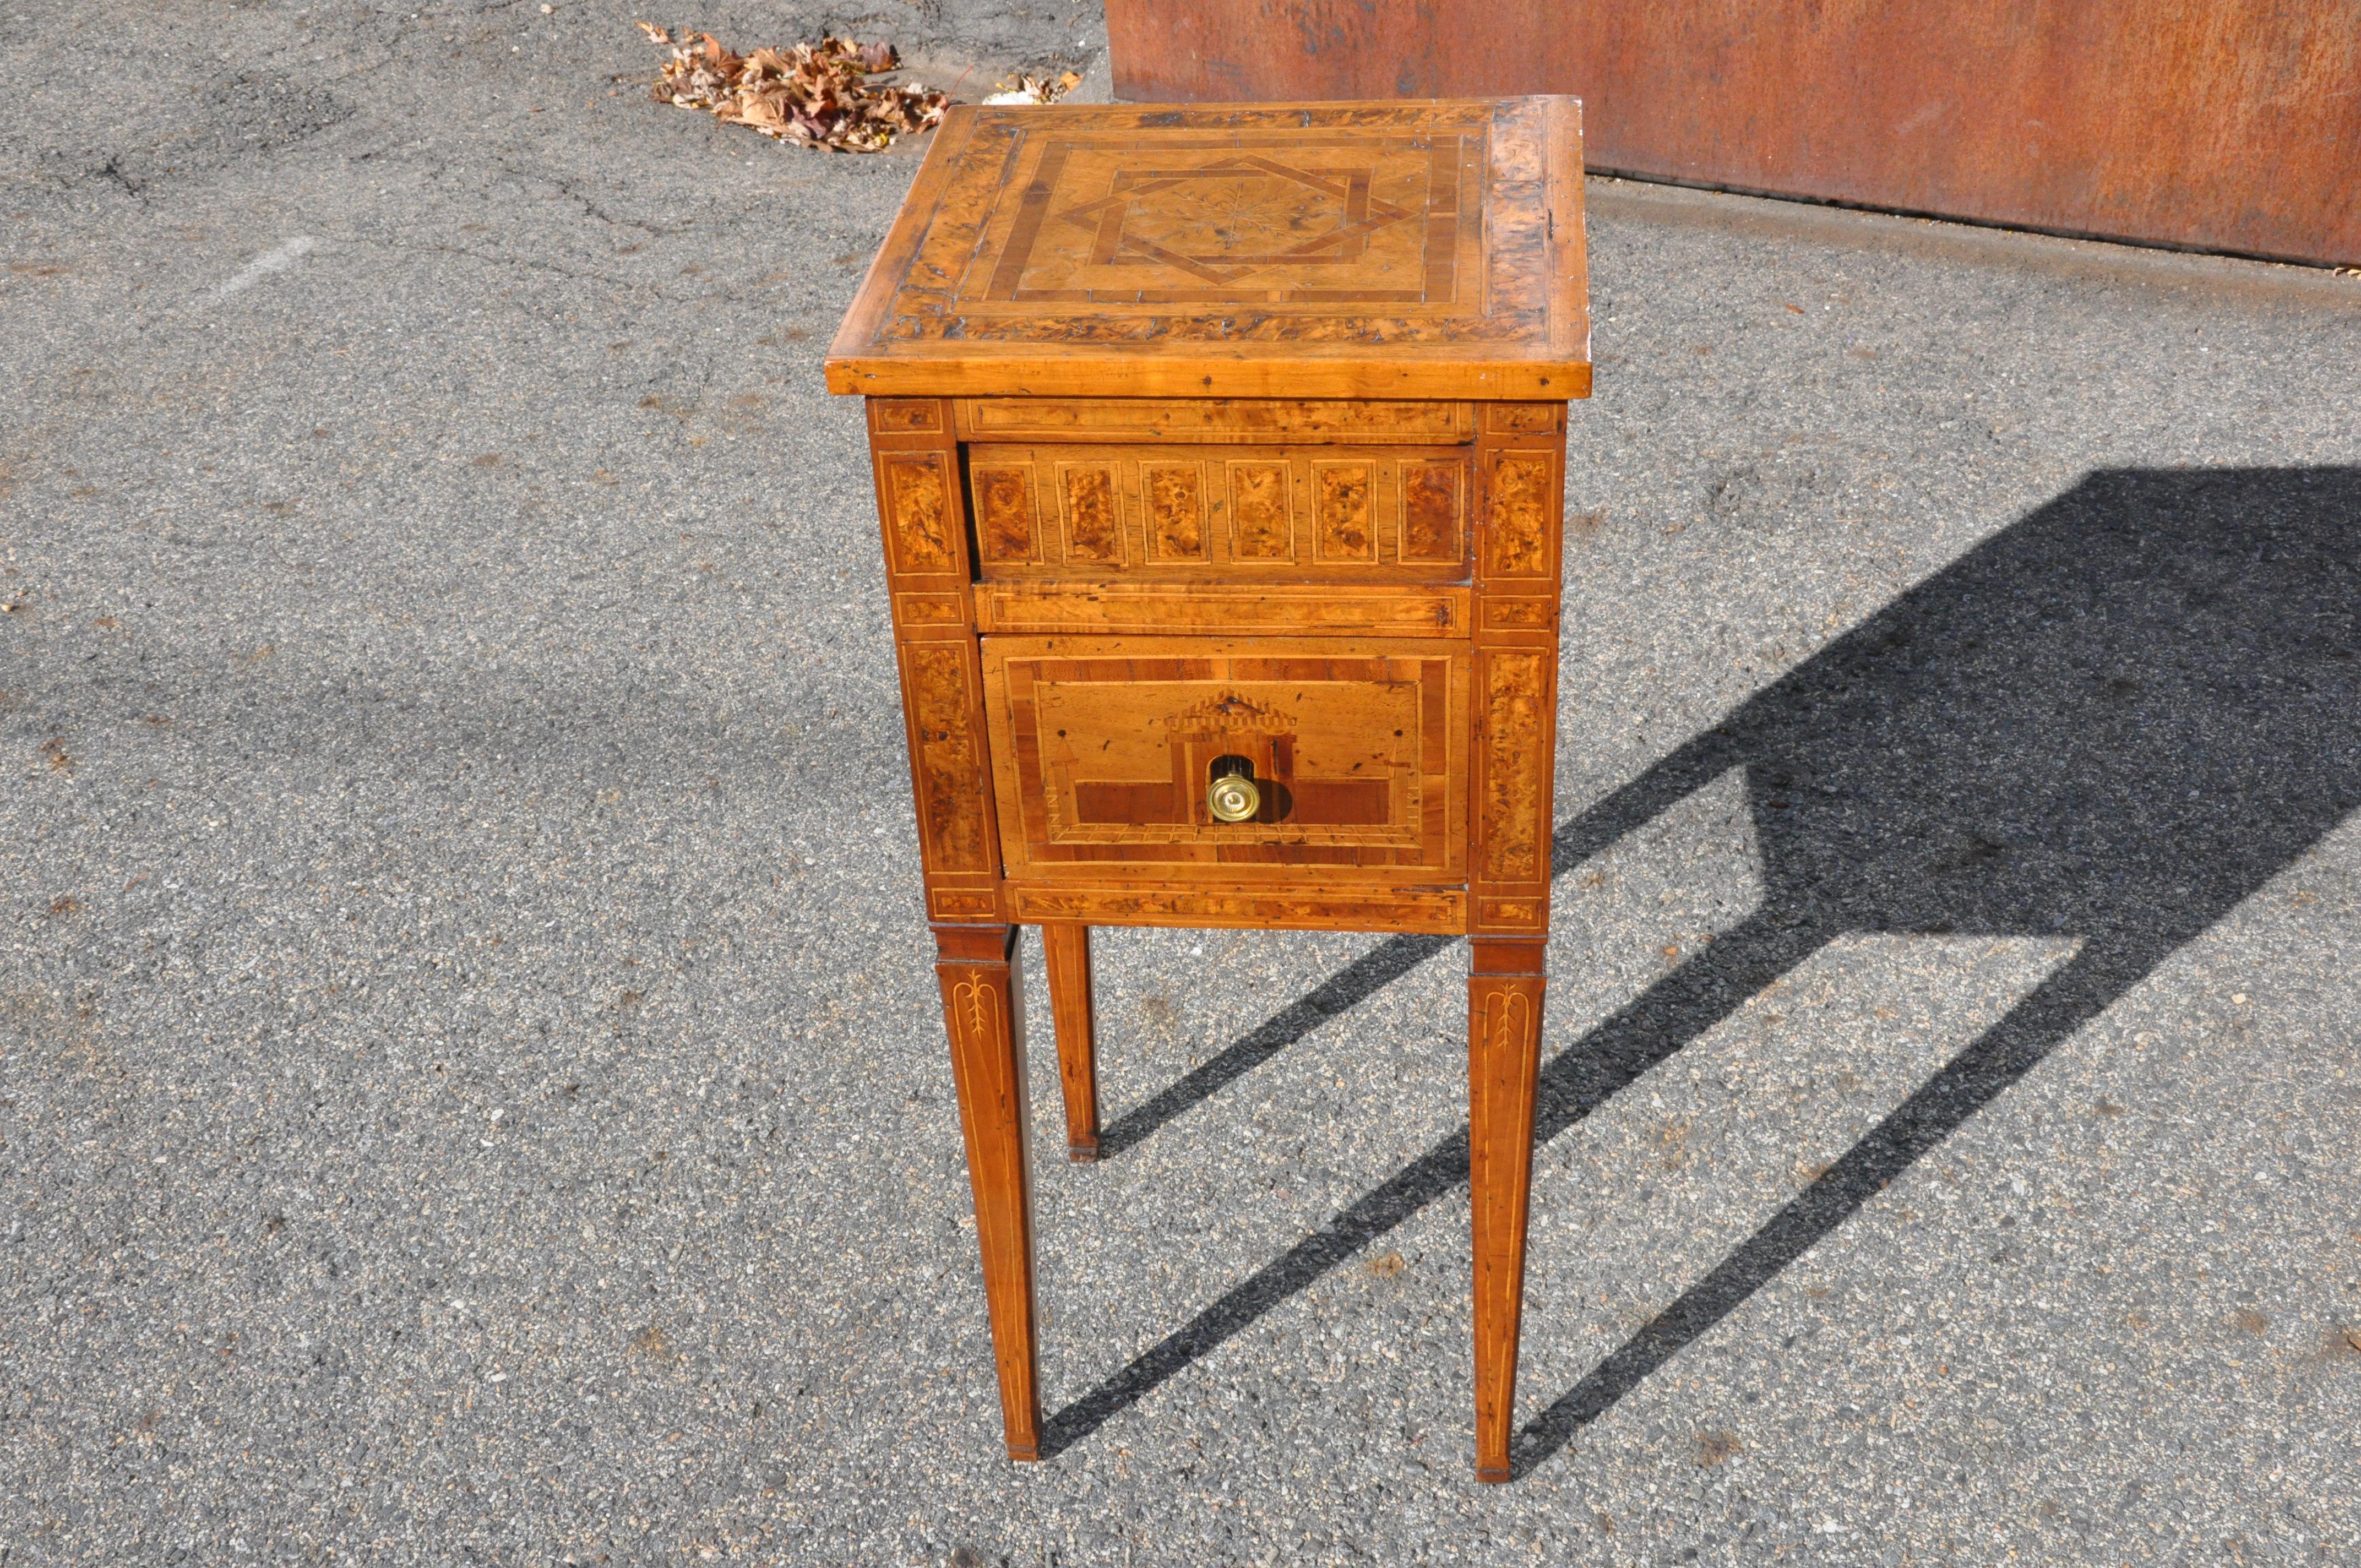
471 1086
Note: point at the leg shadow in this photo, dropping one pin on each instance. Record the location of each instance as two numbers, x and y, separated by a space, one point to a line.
1676 1010
2086 986
1355 982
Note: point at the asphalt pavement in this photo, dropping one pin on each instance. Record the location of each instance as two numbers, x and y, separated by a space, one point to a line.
471 1082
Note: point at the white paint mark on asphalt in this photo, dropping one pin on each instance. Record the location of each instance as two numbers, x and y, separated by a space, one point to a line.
275 260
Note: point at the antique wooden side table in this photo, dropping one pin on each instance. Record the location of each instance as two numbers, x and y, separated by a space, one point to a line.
1220 454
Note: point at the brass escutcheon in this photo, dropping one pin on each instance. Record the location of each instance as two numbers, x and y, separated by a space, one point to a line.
1232 795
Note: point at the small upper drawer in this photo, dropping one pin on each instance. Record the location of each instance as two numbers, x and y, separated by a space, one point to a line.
1339 514
1288 419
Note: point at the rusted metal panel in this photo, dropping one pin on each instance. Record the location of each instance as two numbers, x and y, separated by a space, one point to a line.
2234 125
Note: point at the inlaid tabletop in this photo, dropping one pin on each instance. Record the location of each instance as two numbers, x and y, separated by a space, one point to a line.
1355 250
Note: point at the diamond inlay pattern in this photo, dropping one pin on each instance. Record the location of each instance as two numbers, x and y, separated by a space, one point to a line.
1372 219
1201 247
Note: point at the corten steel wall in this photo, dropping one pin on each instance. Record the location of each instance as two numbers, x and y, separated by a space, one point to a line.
2231 125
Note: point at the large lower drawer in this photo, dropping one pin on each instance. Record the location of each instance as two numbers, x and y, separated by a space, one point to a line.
1104 748
1227 514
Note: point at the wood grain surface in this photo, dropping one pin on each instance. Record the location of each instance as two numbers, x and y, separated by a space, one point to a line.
1130 902
1210 608
1504 1017
1066 954
985 1017
1261 421
1304 251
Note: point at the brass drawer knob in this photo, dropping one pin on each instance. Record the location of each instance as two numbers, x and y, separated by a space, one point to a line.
1232 795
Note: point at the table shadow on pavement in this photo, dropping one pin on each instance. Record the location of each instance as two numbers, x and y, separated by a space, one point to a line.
2113 720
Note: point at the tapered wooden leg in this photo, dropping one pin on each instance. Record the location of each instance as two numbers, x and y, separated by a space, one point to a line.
985 1017
1504 1015
1066 951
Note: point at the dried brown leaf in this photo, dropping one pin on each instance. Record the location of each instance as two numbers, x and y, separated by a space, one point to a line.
812 95
1035 89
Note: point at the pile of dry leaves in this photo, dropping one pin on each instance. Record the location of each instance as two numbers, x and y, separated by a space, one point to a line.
817 95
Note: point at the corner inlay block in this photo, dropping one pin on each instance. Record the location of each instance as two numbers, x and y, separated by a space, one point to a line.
918 511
